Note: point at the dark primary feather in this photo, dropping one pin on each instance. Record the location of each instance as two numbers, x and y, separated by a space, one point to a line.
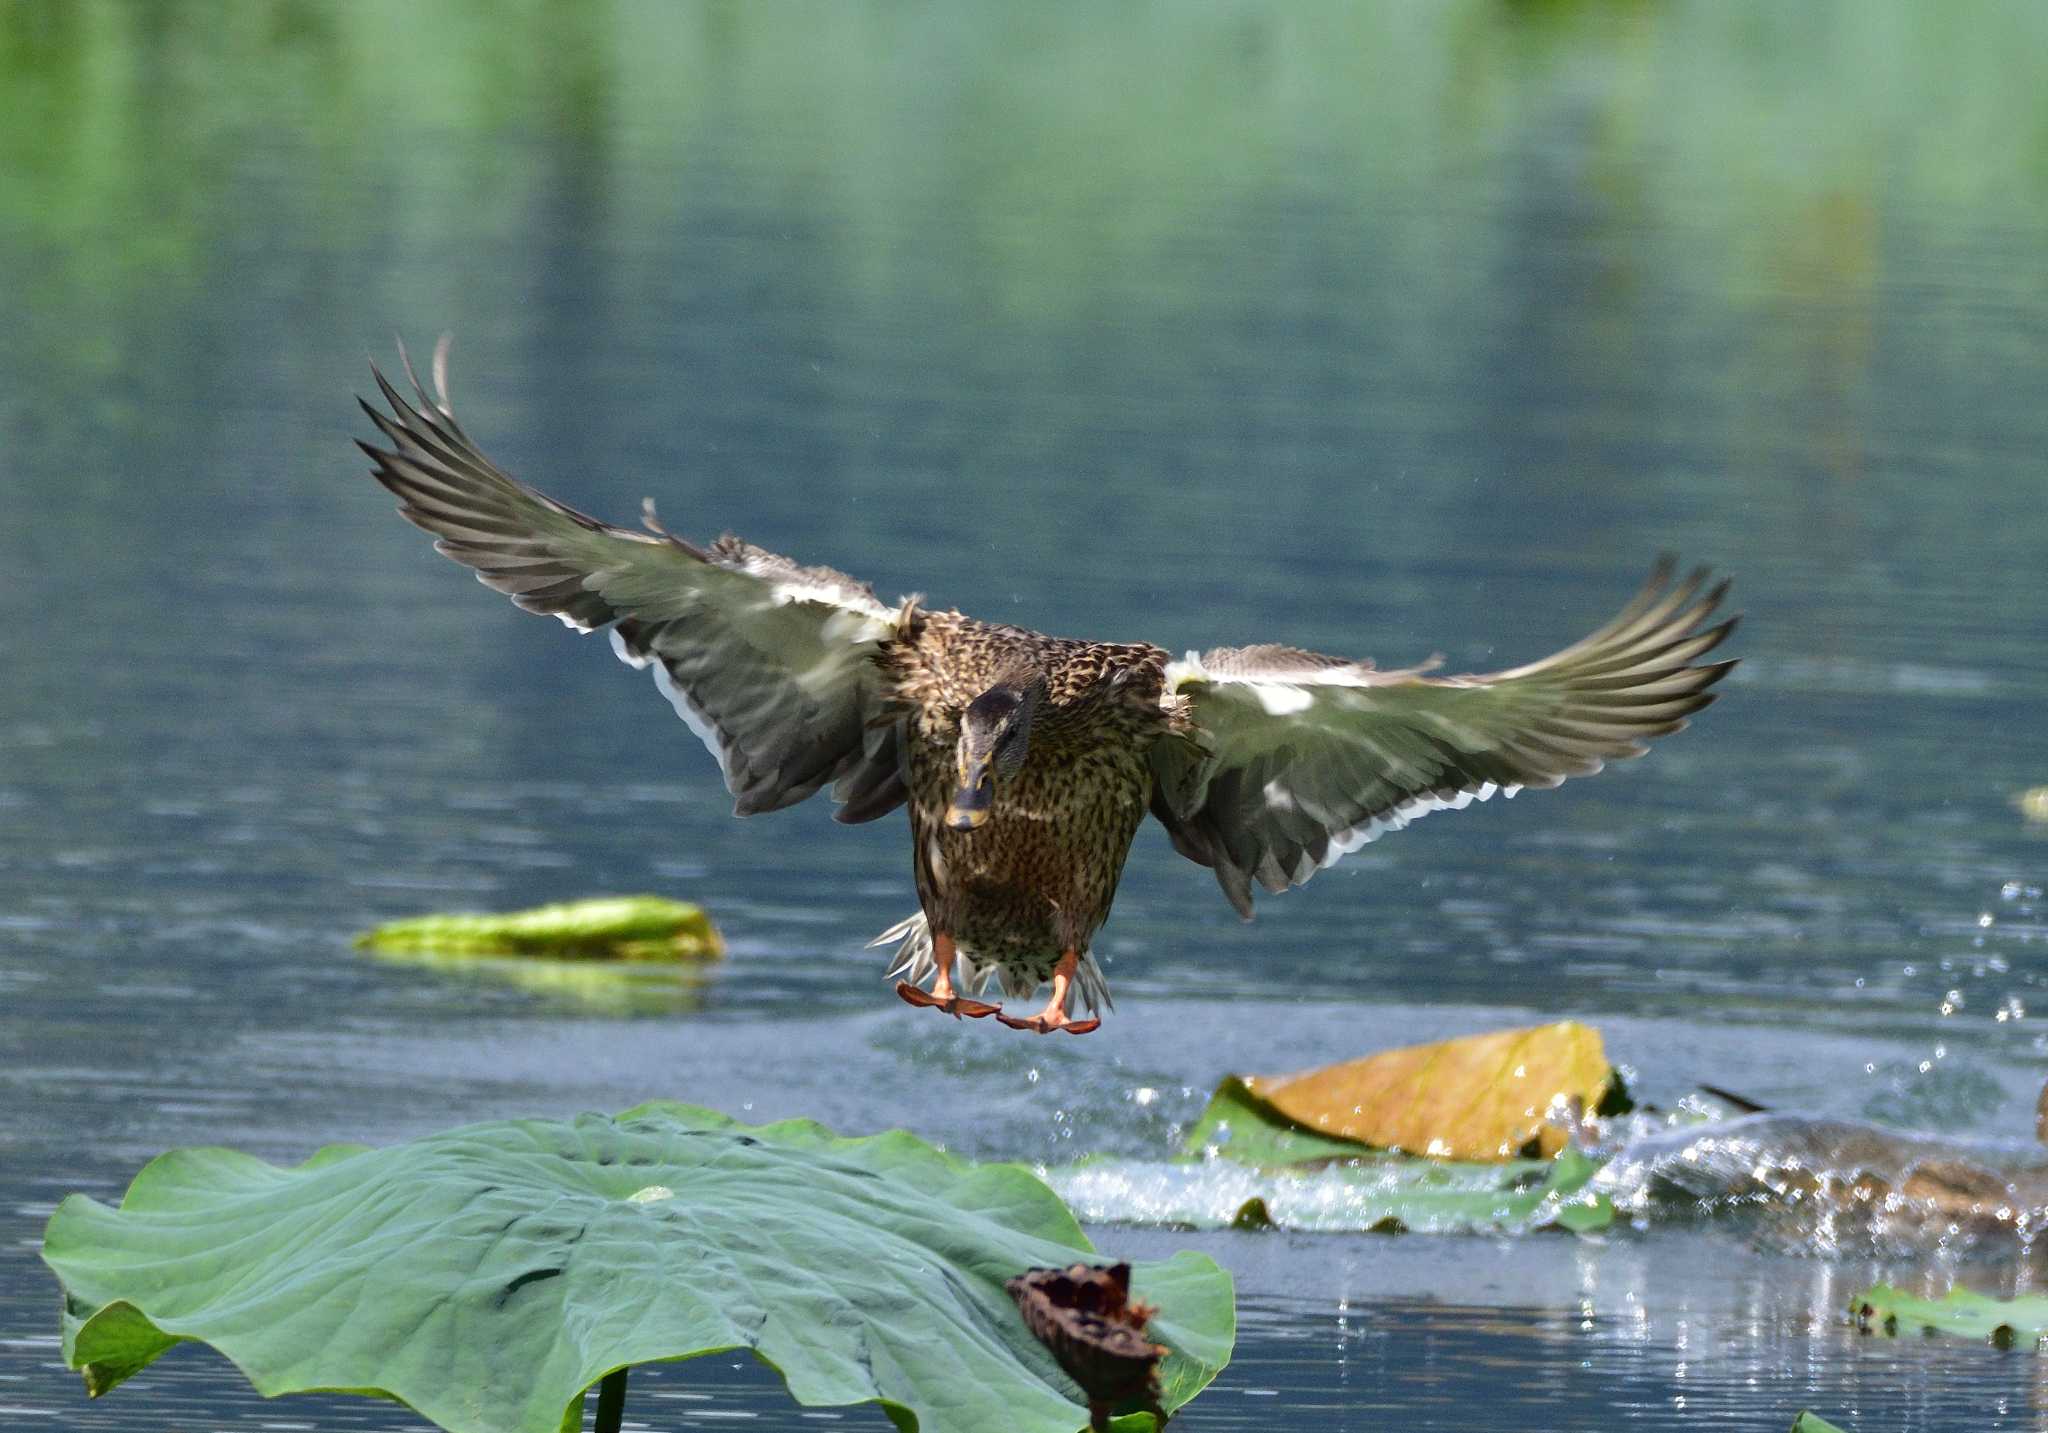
771 663
1302 757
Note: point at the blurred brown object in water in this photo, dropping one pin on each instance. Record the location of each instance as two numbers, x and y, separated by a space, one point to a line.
1085 1316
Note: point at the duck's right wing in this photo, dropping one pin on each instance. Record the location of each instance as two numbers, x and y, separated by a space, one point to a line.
771 664
1296 759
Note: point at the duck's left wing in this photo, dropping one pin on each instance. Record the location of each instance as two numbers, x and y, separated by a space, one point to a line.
771 664
1296 759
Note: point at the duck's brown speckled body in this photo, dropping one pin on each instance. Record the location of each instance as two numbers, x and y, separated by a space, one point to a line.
1027 762
1038 876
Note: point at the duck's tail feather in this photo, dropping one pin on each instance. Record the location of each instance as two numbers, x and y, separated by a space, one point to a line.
1093 985
917 962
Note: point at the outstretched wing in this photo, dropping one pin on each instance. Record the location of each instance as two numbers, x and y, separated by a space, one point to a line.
1297 759
771 664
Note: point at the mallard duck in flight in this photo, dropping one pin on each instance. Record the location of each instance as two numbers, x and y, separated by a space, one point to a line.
1028 762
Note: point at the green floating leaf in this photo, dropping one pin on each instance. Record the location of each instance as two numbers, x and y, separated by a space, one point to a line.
1468 1099
1240 1126
1813 1423
489 1275
2004 1322
649 928
1480 1097
1373 1192
1243 1149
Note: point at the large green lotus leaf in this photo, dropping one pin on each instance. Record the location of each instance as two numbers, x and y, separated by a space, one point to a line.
1960 1311
489 1275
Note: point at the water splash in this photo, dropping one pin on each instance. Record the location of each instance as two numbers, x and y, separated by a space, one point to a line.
1823 1185
1377 1193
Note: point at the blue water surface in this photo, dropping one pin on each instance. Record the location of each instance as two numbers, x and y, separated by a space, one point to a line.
1384 330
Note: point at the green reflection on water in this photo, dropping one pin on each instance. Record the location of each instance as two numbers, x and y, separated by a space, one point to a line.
1069 139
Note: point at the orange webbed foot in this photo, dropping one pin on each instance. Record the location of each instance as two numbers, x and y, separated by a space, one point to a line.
953 1005
1054 1015
1047 1021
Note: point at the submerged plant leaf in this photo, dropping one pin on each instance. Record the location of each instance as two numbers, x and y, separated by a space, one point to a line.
1479 1097
603 928
489 1275
2004 1322
1374 1192
1253 1214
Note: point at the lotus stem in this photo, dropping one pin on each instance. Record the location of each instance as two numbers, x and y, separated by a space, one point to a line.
611 1402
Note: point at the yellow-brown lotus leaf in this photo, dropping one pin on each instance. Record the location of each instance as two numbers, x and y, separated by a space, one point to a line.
1481 1097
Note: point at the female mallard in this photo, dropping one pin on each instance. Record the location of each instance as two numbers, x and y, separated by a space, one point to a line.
1028 761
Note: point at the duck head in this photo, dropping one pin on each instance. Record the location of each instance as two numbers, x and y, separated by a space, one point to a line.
995 734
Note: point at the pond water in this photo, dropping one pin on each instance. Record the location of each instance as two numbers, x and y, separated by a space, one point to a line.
1379 330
